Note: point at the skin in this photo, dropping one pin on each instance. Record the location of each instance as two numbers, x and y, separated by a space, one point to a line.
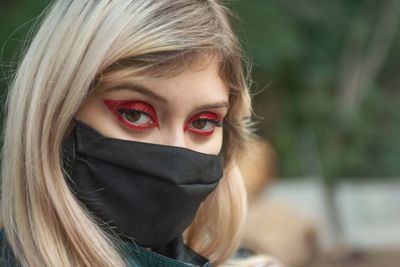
186 108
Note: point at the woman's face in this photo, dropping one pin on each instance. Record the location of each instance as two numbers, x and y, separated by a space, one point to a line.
186 110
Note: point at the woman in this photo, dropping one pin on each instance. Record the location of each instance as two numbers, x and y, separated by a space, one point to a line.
124 121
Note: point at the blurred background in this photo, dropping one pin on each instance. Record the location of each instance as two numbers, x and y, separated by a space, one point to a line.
326 94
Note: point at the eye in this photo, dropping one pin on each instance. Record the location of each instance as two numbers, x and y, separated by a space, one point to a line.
134 114
204 123
135 117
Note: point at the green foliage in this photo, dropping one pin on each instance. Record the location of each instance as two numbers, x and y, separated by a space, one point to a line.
299 50
16 18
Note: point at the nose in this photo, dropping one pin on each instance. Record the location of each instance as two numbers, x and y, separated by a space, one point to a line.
173 137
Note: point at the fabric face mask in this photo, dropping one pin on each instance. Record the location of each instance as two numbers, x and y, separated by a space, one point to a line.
150 193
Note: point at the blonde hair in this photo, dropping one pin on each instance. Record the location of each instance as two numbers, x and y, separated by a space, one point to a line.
79 45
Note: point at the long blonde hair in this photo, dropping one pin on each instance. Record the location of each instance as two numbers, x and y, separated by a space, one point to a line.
79 44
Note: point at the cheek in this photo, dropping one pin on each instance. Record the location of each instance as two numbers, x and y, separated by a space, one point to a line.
209 145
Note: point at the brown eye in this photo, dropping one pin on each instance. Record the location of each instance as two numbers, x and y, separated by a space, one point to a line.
204 123
133 116
199 124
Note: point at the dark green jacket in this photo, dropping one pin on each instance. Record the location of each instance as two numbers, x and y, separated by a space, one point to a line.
136 255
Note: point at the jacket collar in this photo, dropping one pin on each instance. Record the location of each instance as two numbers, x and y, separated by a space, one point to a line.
174 253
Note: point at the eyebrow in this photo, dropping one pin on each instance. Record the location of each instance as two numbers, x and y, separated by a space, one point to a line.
138 88
221 104
143 90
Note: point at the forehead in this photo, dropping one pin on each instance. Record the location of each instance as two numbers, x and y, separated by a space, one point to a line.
160 65
194 85
203 82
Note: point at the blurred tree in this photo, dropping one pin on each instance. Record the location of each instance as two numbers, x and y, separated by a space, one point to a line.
326 77
16 19
328 106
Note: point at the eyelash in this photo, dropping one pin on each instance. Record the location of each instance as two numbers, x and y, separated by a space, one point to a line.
122 108
207 117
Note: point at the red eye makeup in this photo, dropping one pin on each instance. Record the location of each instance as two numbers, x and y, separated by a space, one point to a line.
139 115
133 114
204 123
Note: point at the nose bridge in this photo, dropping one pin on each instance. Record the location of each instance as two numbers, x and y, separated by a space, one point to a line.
173 136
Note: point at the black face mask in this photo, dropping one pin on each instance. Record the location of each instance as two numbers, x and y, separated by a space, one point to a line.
150 193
